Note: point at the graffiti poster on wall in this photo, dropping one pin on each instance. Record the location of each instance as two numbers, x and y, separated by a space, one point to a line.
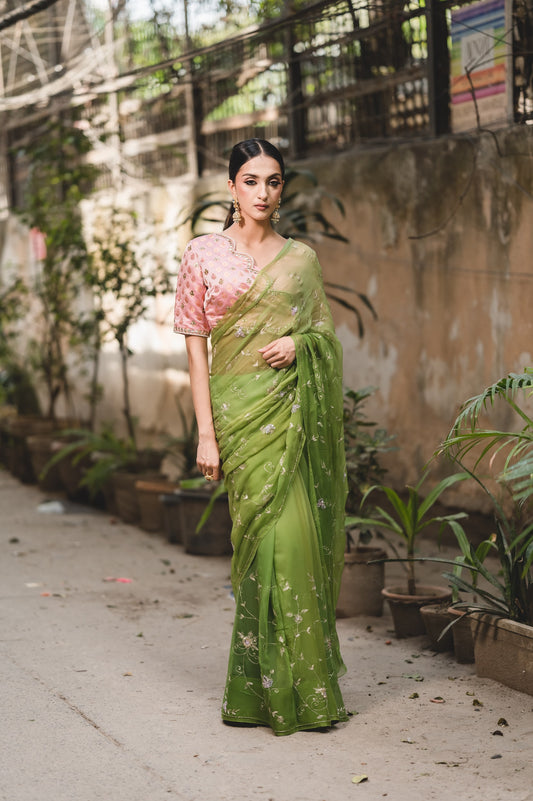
480 82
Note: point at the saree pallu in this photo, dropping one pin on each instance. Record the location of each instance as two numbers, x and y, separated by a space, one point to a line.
280 435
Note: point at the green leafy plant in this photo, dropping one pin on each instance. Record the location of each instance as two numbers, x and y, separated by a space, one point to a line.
104 453
509 593
16 385
408 518
467 435
364 443
124 278
59 177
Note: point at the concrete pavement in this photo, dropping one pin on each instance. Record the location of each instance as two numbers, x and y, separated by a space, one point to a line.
111 690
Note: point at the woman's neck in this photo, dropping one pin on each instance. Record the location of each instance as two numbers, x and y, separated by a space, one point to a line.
251 235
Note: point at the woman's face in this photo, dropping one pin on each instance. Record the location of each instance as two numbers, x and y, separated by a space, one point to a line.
257 187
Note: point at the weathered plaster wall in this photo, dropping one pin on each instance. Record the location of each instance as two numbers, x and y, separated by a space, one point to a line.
440 240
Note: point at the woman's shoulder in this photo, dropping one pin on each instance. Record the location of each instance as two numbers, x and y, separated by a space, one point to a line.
302 249
207 242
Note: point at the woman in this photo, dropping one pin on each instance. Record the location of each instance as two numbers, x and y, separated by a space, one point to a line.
270 421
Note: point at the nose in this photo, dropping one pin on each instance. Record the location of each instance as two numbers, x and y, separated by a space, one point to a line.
262 191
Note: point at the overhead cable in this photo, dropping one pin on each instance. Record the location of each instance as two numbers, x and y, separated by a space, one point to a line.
27 10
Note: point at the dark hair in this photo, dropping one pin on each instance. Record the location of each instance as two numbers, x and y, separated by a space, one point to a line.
243 152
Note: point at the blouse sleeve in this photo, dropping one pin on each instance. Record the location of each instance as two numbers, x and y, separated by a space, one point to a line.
189 314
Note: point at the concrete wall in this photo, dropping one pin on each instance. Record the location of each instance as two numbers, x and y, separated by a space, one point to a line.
440 240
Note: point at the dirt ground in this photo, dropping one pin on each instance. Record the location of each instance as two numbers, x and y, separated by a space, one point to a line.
111 690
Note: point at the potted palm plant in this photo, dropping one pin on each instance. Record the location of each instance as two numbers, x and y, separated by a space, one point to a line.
501 610
407 519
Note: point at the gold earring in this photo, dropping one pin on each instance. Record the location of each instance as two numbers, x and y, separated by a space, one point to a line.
275 214
236 217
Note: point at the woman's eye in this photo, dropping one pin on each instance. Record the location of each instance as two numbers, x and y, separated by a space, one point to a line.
249 182
274 183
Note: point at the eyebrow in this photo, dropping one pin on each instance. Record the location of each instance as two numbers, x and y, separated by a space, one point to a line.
251 175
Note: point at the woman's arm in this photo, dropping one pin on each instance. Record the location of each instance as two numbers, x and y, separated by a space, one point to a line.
208 455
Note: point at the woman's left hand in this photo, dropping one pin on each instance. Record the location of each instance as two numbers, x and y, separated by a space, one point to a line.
280 353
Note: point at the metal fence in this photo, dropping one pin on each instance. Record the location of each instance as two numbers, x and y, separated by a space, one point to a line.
335 74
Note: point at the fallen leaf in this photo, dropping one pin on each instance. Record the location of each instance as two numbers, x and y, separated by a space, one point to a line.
414 676
358 779
437 700
408 740
502 722
388 642
498 733
414 695
127 674
496 756
477 702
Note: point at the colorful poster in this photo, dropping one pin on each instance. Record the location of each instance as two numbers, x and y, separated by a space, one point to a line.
481 46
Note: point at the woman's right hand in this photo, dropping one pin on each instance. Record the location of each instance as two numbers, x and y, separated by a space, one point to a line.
208 458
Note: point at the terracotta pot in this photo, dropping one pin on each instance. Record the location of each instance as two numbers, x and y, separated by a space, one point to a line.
463 643
171 516
503 651
150 506
40 449
405 609
214 537
18 457
125 494
436 617
361 583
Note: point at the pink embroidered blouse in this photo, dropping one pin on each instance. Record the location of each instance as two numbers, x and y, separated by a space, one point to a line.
212 275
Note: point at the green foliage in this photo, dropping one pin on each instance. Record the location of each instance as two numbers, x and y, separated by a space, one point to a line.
363 443
16 386
467 436
124 277
408 518
107 453
58 178
510 593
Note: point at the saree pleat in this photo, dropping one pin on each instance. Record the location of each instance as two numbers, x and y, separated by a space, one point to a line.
280 437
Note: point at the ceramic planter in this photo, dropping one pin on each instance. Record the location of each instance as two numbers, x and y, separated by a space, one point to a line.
18 457
361 583
214 537
171 516
40 449
463 644
503 651
125 494
405 609
150 506
436 617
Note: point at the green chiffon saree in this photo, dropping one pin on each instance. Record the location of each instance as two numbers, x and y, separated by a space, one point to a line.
281 443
